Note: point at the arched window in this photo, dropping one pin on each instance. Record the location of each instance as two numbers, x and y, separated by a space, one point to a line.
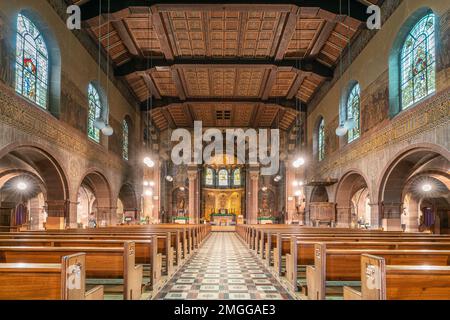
125 138
95 112
321 140
223 178
237 177
32 62
209 177
353 112
418 62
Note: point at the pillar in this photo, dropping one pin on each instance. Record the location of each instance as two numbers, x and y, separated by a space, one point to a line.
290 197
193 194
252 210
343 216
375 214
156 198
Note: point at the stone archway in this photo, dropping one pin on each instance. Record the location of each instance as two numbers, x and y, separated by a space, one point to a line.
402 189
44 183
101 209
352 194
127 203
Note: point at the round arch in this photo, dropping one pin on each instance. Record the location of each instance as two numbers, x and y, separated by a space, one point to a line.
352 193
98 184
399 188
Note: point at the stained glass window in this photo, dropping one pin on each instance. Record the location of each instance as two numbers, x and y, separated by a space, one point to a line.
209 177
95 112
125 139
32 62
237 177
418 62
223 178
353 112
321 140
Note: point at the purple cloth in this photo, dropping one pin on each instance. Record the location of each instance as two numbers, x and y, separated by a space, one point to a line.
428 218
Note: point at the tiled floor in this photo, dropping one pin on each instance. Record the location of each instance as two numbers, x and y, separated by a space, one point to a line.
223 268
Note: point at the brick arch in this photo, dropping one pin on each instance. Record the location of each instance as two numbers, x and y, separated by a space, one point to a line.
127 195
49 171
100 185
348 185
9 174
45 165
402 164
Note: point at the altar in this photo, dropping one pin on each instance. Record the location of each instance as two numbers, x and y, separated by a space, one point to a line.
223 219
266 220
181 220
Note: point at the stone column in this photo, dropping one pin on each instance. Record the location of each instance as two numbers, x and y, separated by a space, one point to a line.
193 194
252 212
71 220
290 197
391 216
156 198
104 216
343 217
375 213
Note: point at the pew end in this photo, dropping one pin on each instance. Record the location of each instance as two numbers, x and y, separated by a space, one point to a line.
352 294
96 293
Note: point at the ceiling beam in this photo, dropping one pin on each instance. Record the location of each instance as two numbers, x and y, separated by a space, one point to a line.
178 84
138 64
272 78
124 35
166 101
150 85
296 85
91 9
324 35
286 37
169 118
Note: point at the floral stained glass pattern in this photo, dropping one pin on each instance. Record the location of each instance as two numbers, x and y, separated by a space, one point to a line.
209 177
95 112
418 62
237 177
321 140
353 112
223 178
125 138
32 62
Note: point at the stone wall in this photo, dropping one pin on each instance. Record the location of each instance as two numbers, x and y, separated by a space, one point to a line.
64 136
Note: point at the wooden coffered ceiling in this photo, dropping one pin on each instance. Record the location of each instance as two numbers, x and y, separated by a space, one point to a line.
196 61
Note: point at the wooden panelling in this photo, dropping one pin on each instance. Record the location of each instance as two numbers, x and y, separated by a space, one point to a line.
238 115
164 82
230 31
283 83
309 86
226 81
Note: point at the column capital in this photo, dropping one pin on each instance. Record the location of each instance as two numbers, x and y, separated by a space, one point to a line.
254 175
192 175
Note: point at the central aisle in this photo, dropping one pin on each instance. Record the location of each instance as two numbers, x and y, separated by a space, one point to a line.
223 268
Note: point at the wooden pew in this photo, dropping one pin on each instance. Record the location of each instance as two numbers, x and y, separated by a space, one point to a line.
40 281
281 243
380 281
101 262
181 243
144 250
302 252
344 265
143 244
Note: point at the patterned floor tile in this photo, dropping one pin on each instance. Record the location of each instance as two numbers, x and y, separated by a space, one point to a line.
223 268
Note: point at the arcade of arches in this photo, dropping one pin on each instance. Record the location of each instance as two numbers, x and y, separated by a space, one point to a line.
373 129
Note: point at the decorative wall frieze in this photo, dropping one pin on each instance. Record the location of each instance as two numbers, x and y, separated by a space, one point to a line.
24 116
429 114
